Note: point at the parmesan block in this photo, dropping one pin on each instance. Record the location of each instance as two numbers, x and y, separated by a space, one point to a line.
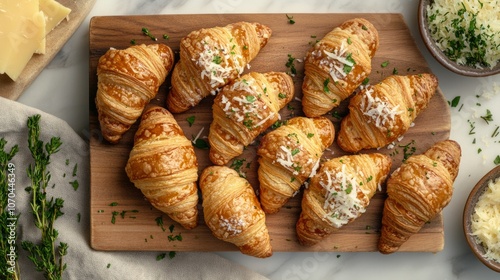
54 13
486 220
22 32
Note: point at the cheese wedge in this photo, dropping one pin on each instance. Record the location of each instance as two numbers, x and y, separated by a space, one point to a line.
54 13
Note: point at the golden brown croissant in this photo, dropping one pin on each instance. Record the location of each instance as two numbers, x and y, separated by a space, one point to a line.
288 156
127 80
244 109
211 58
163 165
337 64
380 114
232 211
339 193
417 191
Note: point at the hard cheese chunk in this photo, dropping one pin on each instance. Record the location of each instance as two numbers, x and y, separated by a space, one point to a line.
54 13
23 27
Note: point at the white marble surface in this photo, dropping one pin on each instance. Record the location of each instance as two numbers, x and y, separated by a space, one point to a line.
62 90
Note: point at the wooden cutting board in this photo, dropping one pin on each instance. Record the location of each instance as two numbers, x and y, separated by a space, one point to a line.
121 219
55 41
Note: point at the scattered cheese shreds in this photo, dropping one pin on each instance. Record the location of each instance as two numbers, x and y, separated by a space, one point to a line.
467 31
486 220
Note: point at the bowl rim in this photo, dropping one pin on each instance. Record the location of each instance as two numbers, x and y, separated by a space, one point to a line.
440 56
474 195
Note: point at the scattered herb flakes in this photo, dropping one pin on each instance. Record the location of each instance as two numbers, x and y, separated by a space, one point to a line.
172 254
384 64
201 144
365 81
291 66
290 19
454 103
394 71
496 161
113 216
161 256
113 204
75 169
237 165
133 42
408 150
108 265
75 184
67 162
146 32
159 222
190 120
78 217
166 37
488 117
171 228
177 237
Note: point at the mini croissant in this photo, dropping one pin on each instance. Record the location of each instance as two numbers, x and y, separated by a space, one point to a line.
339 193
380 114
163 165
288 156
417 191
232 211
211 58
126 81
244 109
337 64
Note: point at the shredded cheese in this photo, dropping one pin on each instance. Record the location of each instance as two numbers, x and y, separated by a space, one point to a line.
380 112
341 201
467 31
218 64
335 62
486 220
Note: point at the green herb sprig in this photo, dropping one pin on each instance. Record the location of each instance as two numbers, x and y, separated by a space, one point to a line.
45 255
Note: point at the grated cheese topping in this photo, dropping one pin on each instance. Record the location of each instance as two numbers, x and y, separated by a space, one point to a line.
379 111
218 64
341 201
232 225
467 31
337 62
486 220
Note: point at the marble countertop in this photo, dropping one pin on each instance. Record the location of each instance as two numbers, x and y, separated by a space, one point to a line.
65 83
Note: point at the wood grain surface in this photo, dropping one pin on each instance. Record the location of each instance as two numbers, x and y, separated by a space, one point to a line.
134 226
55 41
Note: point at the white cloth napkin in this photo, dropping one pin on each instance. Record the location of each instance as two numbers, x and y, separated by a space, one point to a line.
82 261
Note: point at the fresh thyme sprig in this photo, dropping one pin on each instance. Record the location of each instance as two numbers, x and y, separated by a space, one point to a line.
9 267
46 257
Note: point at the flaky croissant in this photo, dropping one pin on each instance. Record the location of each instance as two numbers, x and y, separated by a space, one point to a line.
126 81
288 156
211 58
244 109
417 191
380 114
337 64
339 193
163 165
232 211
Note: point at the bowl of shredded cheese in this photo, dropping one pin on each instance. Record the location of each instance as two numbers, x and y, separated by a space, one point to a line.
462 35
481 219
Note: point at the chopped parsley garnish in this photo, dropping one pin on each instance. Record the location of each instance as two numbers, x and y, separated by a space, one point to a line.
290 65
347 68
325 85
217 59
384 64
455 101
290 19
250 98
190 120
488 117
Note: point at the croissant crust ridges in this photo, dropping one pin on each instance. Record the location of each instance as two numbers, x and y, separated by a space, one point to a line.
412 203
193 79
325 86
231 130
232 211
370 170
397 101
163 165
307 138
127 80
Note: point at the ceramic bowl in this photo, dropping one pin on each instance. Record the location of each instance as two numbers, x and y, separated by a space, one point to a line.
440 56
474 195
